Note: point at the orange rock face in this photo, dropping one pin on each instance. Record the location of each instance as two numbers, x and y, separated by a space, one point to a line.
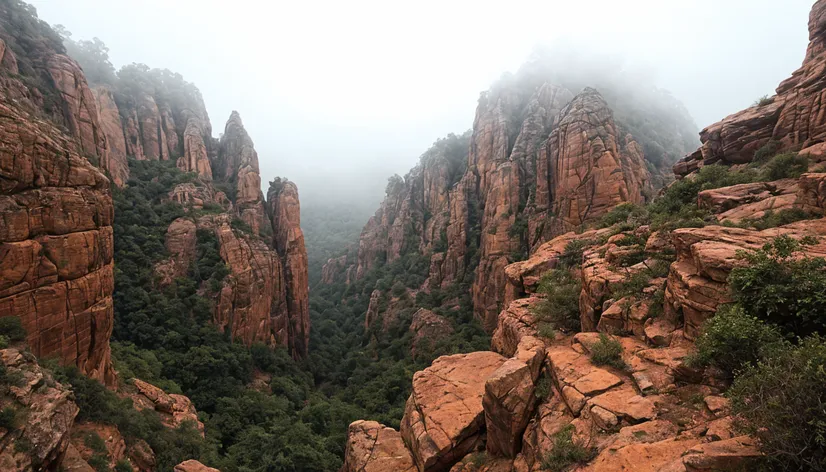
373 447
173 409
288 240
794 117
193 466
49 414
443 417
428 328
110 124
56 244
237 157
705 257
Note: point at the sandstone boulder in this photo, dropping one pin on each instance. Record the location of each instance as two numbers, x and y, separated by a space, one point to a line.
373 447
444 418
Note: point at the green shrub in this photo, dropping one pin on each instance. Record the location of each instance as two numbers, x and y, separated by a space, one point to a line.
123 465
93 441
630 240
622 213
572 256
766 152
8 418
543 387
607 351
12 328
99 462
4 342
732 340
240 225
779 287
560 306
566 452
763 101
546 330
781 401
785 166
772 219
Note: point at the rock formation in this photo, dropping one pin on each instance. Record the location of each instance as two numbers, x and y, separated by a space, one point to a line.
538 162
45 410
793 118
56 240
288 240
373 447
238 161
110 123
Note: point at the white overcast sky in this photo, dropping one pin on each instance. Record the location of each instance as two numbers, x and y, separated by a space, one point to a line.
338 95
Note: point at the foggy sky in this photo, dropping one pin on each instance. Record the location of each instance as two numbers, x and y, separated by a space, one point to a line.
338 95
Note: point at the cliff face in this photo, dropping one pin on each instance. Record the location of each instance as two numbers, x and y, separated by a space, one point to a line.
794 118
56 273
288 240
538 162
60 139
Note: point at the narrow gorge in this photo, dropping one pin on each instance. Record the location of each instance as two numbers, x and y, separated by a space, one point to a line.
581 281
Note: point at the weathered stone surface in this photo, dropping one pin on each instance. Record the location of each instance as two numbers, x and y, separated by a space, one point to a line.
644 457
585 150
173 409
515 323
705 256
373 447
195 157
193 466
509 399
151 131
811 195
727 454
237 158
46 414
114 161
112 439
334 269
288 240
80 109
428 328
141 456
749 201
794 117
56 245
444 418
180 243
252 304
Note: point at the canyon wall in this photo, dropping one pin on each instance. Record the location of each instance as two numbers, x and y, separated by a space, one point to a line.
540 160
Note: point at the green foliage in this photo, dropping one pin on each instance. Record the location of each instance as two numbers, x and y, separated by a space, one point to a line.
574 251
566 452
766 152
12 328
607 351
543 387
93 441
781 402
4 342
732 340
240 225
784 166
560 307
621 213
8 418
779 286
772 219
123 465
763 101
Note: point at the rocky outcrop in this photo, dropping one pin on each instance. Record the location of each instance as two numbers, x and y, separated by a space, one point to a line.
288 240
749 201
373 447
238 161
193 466
114 161
195 158
44 410
80 108
444 418
697 282
85 433
334 269
252 303
173 409
592 167
428 329
152 133
794 118
510 398
56 271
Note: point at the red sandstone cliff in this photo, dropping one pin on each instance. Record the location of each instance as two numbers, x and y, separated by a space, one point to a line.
794 117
